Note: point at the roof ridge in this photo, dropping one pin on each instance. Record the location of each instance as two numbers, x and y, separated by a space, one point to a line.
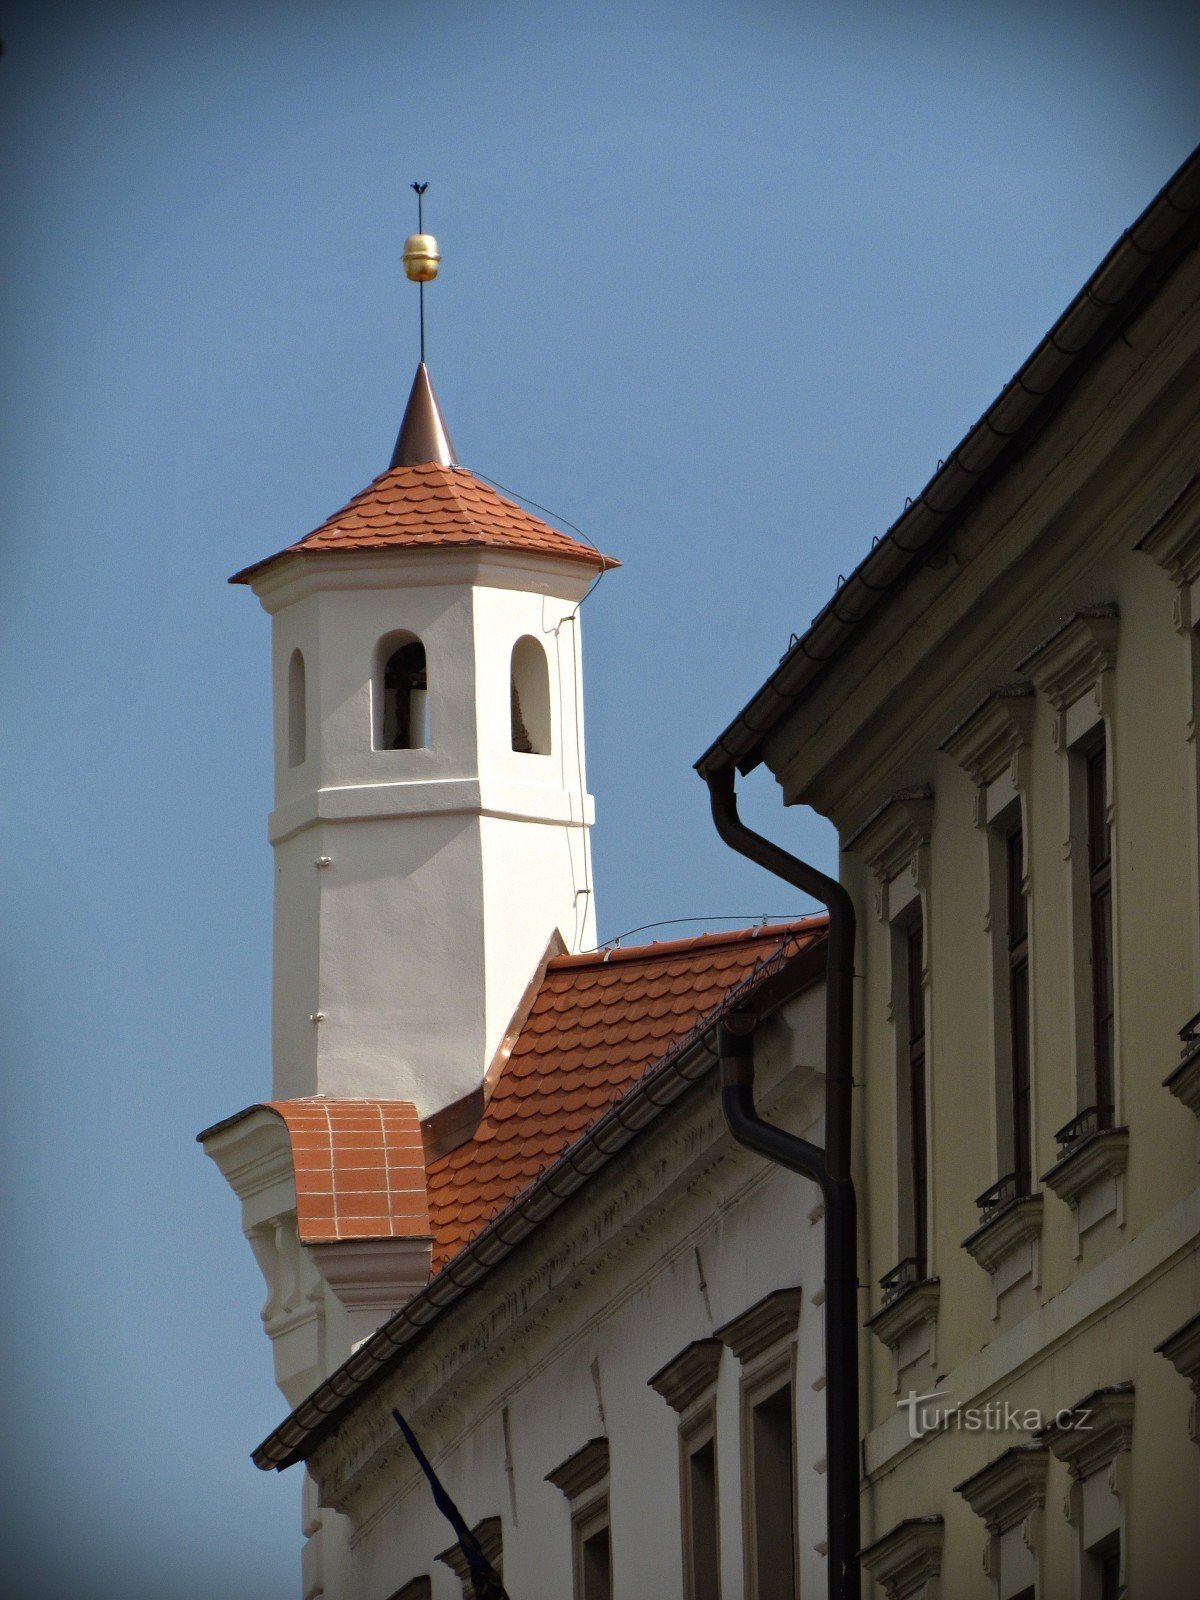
657 948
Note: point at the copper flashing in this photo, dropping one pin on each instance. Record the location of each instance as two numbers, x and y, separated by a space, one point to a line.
423 436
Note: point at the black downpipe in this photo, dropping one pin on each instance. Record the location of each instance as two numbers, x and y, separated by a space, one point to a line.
830 1167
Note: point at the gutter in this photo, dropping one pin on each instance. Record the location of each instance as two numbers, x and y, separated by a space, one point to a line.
791 968
829 1167
1129 275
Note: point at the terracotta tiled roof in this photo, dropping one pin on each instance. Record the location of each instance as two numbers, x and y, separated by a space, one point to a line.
433 507
360 1168
597 1024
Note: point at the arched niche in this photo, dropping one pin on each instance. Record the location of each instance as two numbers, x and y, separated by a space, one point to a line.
530 697
297 711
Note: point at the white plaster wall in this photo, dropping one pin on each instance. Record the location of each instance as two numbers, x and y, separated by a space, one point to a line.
416 890
666 1246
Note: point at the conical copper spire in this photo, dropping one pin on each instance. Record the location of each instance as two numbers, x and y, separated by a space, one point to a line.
423 435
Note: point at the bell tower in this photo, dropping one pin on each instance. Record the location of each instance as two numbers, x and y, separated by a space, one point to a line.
431 814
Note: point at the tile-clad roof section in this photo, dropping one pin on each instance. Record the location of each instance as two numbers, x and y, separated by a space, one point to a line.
598 1023
359 1167
431 507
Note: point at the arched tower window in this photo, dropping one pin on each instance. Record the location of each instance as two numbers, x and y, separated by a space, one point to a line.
530 698
297 712
402 693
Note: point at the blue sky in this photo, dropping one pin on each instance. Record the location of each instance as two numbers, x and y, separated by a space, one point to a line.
722 282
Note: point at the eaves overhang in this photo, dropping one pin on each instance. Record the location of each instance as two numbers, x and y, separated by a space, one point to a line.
1132 271
795 966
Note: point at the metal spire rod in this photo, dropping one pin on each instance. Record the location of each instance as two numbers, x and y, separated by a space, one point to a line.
420 190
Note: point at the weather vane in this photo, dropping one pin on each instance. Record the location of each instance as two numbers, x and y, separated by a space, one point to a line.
421 257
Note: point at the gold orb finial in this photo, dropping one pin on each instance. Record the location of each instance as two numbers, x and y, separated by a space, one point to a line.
421 258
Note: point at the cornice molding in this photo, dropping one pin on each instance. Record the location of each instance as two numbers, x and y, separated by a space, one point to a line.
582 1471
1093 1432
689 1374
989 738
1075 656
1008 1489
769 1320
890 838
907 1559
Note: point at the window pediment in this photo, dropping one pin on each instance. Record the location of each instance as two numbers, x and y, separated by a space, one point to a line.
1093 1432
907 1561
685 1378
987 741
901 827
1075 661
1008 1489
771 1319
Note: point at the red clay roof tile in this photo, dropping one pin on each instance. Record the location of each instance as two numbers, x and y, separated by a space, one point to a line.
433 507
597 1024
359 1168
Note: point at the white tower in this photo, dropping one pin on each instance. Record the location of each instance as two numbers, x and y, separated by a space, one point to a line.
431 815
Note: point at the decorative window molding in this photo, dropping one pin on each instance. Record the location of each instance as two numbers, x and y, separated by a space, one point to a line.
1008 1244
1090 1175
583 1479
1174 543
907 1562
907 1320
767 1322
488 1533
688 1385
1073 669
1182 1350
1009 1495
1094 1438
690 1375
583 1471
894 843
763 1339
992 744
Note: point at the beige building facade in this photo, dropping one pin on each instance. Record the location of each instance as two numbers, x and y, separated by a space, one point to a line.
1002 726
